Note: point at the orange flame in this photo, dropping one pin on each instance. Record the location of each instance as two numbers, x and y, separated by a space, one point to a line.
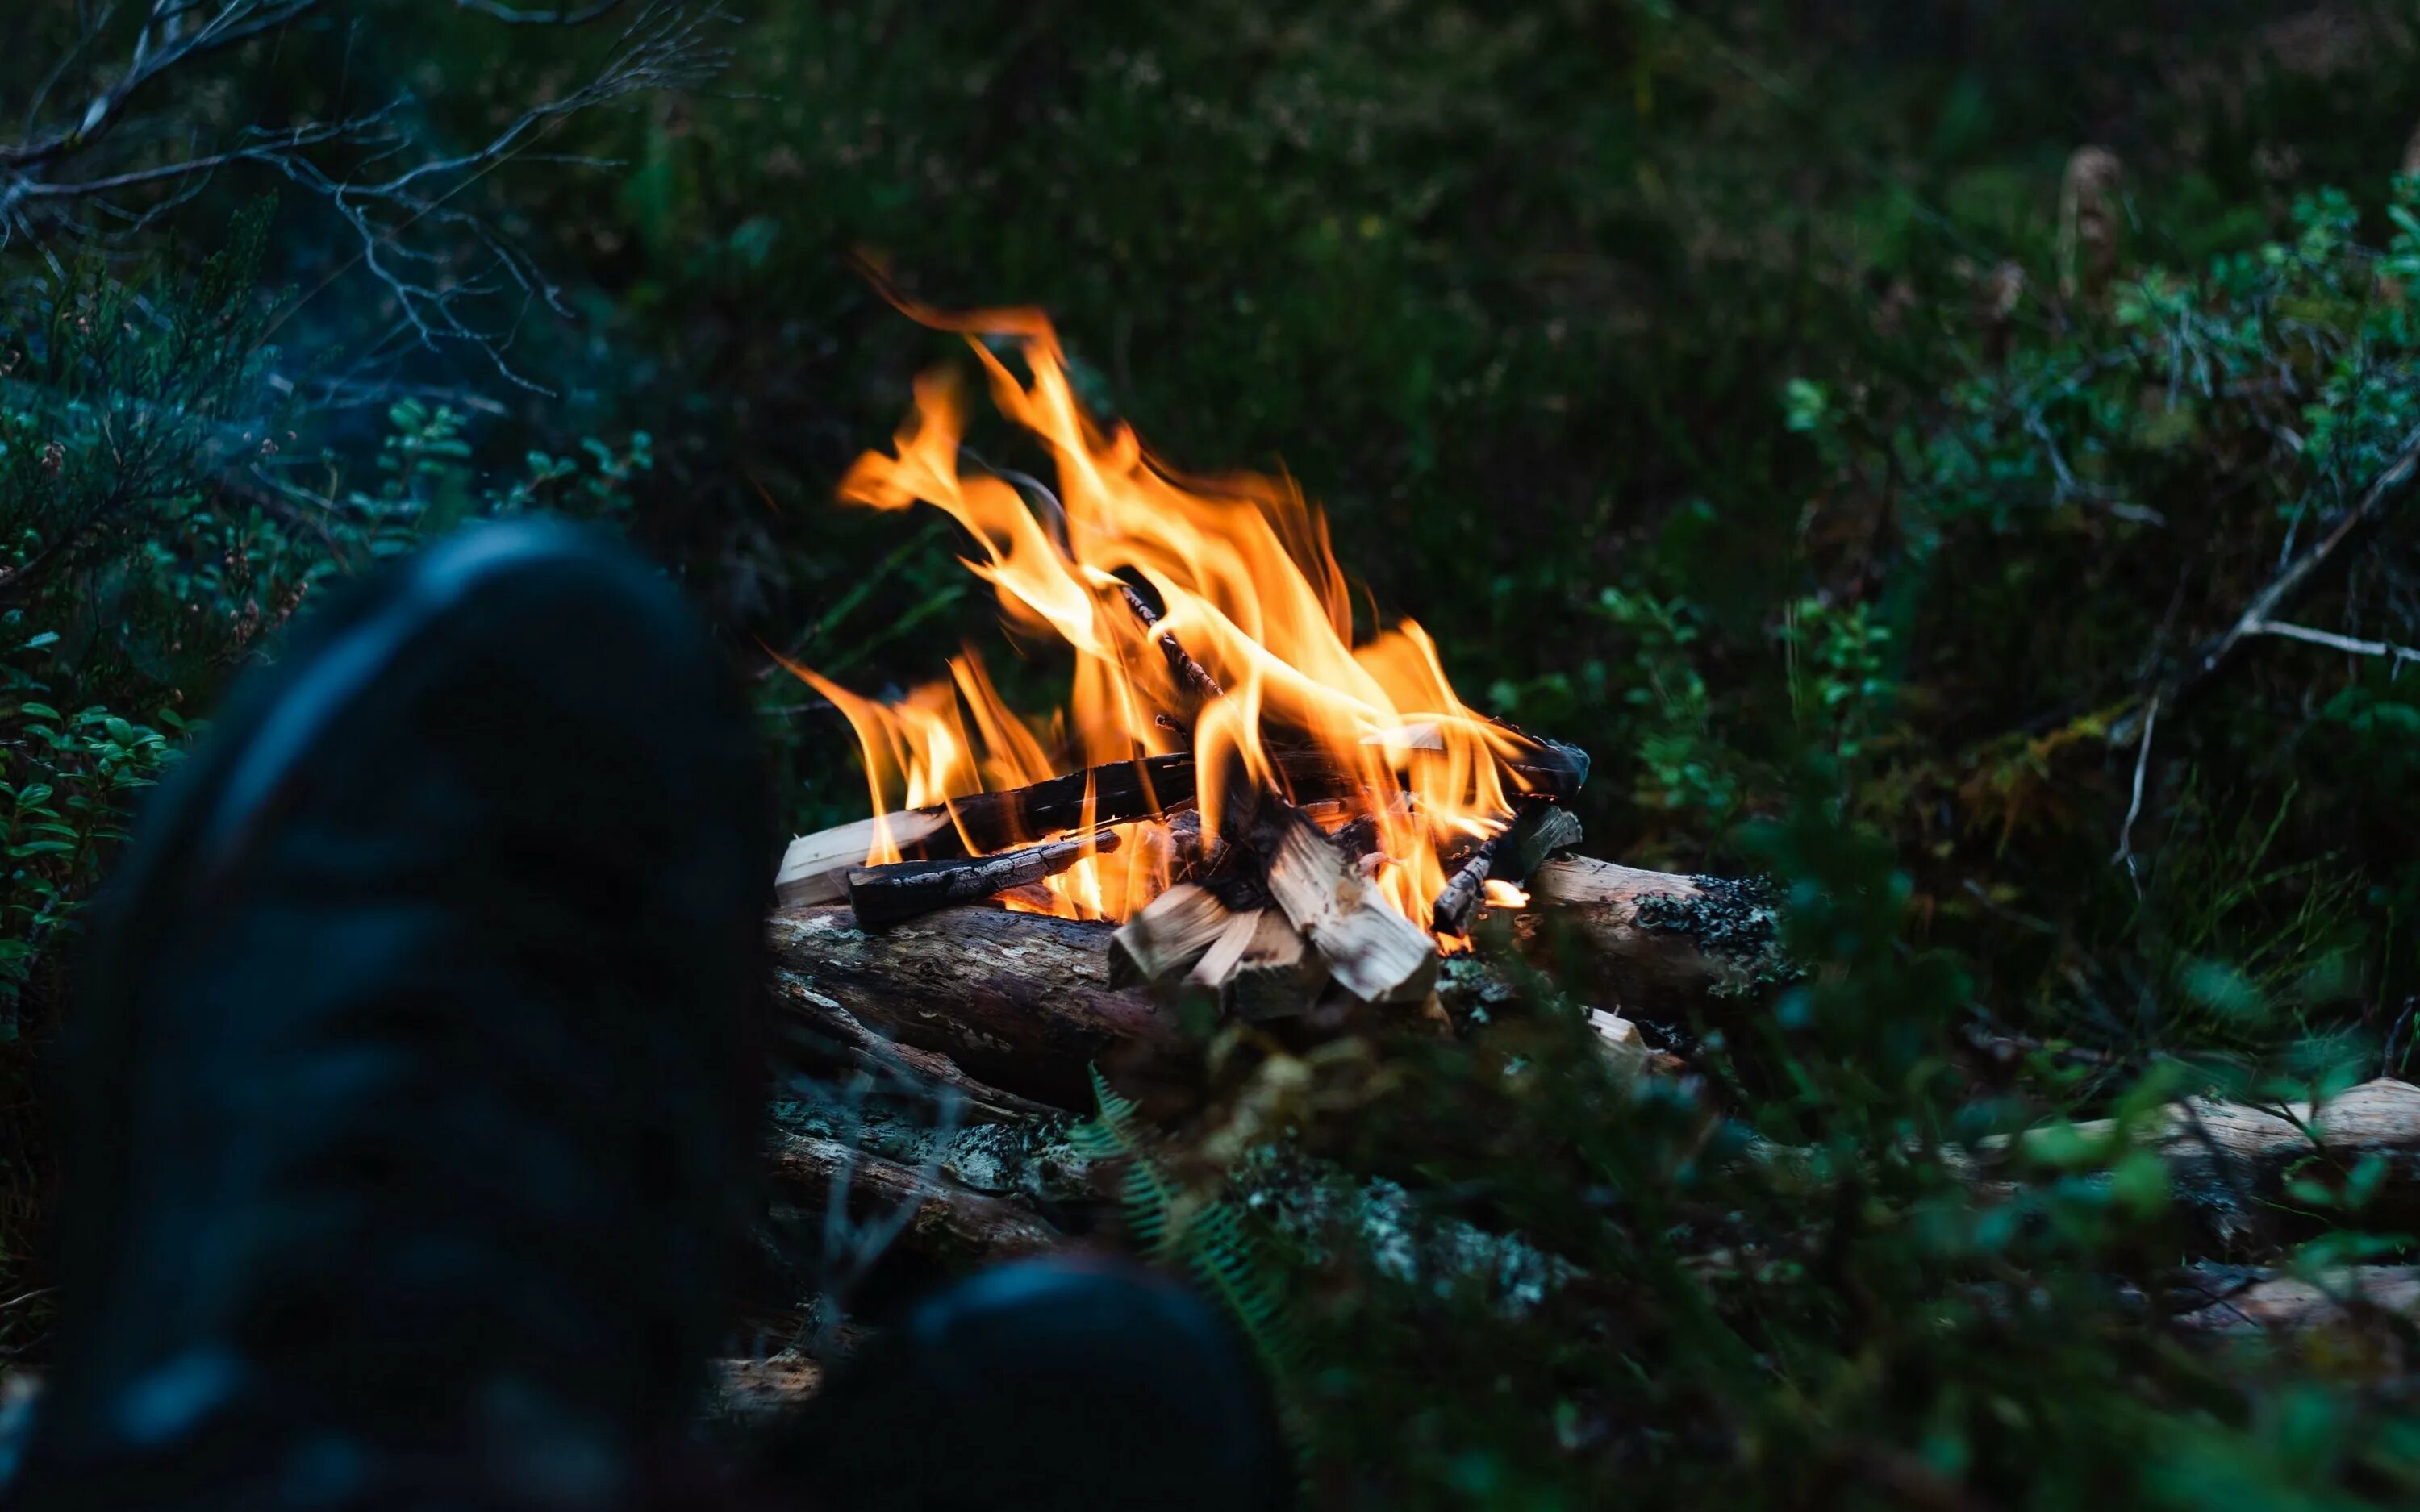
1250 590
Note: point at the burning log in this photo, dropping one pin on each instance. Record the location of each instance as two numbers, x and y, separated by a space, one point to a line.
815 868
880 896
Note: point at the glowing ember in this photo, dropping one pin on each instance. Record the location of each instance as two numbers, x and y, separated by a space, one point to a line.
1208 616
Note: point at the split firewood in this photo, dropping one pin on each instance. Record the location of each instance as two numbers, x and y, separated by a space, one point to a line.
815 868
885 895
1168 935
1226 952
950 1223
1540 830
1374 952
1021 1002
1279 974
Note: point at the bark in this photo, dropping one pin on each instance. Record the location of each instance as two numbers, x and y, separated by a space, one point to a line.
951 1224
882 896
1667 941
2344 1298
1019 1001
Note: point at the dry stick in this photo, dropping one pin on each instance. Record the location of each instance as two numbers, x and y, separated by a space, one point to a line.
1189 672
2339 642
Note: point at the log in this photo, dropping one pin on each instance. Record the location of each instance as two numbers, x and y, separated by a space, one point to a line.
1019 1001
1667 940
951 1224
2270 1303
1278 975
1189 674
846 1042
1540 830
882 896
2228 1163
815 867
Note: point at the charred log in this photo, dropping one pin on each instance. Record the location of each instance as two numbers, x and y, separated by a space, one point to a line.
882 896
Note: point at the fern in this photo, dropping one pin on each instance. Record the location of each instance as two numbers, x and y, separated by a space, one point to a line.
1208 1239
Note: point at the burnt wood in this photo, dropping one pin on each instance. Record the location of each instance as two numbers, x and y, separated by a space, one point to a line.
882 896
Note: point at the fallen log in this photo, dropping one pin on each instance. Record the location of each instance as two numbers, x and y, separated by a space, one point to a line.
950 1223
1666 941
2228 1163
2270 1303
1019 1001
1026 1003
835 1040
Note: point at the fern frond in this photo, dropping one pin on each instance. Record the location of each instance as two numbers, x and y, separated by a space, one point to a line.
1211 1241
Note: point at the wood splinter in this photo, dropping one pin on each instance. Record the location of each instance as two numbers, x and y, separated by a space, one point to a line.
882 895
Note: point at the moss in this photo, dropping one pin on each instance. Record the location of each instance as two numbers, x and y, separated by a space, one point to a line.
1737 922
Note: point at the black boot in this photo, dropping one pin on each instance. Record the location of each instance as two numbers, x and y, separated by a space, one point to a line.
1051 1385
412 1090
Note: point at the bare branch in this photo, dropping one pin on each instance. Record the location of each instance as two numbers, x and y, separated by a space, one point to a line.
455 278
2282 590
2338 642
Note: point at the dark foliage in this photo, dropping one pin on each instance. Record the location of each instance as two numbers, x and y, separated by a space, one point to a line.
1774 398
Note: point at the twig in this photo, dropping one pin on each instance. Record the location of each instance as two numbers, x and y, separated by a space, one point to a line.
1188 672
2282 589
2125 853
2338 642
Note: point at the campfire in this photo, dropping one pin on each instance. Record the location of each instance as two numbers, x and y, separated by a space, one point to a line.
1266 805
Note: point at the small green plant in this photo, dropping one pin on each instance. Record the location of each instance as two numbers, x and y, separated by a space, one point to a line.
1205 1237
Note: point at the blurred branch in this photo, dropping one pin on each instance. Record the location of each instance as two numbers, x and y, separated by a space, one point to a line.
2259 616
453 275
515 16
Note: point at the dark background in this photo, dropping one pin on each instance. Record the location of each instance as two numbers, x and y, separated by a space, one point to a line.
1754 394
